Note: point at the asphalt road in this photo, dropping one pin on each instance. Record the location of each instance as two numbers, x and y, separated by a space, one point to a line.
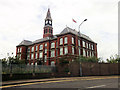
86 83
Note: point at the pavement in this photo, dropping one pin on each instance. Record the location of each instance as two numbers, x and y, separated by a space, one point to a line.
21 82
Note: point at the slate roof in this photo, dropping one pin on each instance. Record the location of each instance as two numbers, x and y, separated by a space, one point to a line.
48 16
25 42
69 30
66 30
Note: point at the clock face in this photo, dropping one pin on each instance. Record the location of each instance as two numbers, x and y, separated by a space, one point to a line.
50 22
46 22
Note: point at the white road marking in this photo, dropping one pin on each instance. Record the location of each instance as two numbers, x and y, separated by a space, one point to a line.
97 86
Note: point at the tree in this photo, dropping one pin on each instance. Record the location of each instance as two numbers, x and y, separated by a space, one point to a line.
87 59
4 61
113 59
12 60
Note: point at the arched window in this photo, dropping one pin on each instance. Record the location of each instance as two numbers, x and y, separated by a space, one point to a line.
49 30
52 63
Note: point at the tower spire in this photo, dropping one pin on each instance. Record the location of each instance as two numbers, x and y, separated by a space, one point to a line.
48 16
48 30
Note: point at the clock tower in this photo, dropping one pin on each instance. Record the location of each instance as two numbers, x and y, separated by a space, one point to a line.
48 30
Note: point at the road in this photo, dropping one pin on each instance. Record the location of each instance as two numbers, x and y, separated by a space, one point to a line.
75 82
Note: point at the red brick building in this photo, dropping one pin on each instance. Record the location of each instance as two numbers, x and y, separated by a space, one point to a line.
47 50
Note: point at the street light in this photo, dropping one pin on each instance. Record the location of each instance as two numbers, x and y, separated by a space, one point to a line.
80 59
81 24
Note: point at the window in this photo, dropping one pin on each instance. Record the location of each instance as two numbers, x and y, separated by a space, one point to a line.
28 49
87 54
40 54
45 58
65 50
20 56
83 42
61 41
32 55
35 55
45 44
72 50
20 49
52 63
61 51
41 47
45 30
31 63
87 45
45 50
28 64
53 53
36 48
28 56
65 40
84 54
90 54
52 45
78 42
32 49
49 30
92 47
79 52
36 64
56 52
72 40
56 44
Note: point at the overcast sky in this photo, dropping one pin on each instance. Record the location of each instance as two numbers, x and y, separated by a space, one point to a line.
24 19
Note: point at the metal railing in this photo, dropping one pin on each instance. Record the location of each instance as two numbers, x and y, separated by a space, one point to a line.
23 69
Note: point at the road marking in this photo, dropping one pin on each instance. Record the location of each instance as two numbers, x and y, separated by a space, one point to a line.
97 86
55 81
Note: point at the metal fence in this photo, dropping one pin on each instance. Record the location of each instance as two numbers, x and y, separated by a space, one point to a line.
23 69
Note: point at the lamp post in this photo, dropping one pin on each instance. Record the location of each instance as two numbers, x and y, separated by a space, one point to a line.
79 58
81 24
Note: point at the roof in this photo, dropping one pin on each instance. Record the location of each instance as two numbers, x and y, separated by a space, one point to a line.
69 30
48 16
45 39
65 31
25 42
